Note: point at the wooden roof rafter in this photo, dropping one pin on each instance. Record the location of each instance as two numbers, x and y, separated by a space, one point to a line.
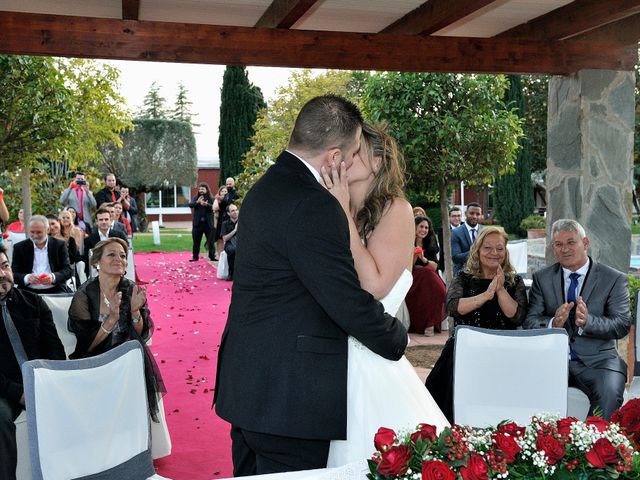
284 13
130 9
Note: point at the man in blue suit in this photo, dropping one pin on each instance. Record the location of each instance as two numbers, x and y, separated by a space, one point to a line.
463 236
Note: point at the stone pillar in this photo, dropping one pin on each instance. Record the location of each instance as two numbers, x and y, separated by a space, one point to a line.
590 128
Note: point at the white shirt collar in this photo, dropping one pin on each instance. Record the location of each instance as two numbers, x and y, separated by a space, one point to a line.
582 270
469 227
315 173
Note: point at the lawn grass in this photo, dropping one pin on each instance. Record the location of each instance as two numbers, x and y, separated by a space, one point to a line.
171 240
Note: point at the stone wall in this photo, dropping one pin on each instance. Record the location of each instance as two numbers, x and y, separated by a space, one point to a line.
590 159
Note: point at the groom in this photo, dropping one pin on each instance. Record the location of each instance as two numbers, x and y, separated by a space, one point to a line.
282 365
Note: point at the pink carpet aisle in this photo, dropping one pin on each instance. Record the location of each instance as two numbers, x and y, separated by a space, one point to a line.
189 307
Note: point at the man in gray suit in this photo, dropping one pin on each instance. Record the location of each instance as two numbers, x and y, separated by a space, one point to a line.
591 301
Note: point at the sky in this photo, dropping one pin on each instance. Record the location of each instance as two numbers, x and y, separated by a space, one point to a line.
203 84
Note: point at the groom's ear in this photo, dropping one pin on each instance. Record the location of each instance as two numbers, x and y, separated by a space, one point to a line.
332 156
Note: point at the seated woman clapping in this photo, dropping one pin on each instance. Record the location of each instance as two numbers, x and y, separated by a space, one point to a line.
109 310
487 293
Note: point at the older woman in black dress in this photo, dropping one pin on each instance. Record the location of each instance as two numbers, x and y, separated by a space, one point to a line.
109 310
487 293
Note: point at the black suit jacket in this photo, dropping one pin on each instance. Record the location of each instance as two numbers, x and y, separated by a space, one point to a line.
282 364
460 246
104 196
57 251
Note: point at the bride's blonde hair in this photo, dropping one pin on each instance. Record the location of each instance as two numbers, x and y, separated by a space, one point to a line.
388 181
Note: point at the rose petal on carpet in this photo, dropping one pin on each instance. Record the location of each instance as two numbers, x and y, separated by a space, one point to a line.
189 308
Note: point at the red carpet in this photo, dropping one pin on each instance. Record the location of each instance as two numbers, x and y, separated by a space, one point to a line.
189 307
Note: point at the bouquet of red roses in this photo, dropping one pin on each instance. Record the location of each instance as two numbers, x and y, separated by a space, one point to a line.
548 448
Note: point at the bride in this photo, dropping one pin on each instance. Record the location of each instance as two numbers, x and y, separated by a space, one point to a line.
380 392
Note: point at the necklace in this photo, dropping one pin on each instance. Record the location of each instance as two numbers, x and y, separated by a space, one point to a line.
105 300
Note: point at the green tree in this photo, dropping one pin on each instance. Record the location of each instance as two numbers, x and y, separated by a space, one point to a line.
239 106
275 123
513 191
155 154
154 105
451 127
54 110
535 90
182 109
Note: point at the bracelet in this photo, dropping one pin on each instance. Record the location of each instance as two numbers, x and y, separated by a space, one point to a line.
108 332
137 319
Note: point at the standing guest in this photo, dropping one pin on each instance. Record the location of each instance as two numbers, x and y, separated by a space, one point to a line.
18 225
455 219
109 310
488 294
425 299
41 263
132 211
202 225
217 219
232 193
119 217
27 315
230 237
110 194
296 298
78 195
56 231
463 236
591 301
70 230
419 211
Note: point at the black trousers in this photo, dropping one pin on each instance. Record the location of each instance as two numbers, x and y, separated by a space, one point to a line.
197 232
604 387
259 453
8 450
230 250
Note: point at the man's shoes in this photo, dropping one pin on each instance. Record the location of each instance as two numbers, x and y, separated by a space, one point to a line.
194 260
429 332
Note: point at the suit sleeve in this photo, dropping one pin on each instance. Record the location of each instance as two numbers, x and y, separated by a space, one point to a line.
10 389
65 196
92 200
615 322
317 243
537 316
18 264
457 254
63 272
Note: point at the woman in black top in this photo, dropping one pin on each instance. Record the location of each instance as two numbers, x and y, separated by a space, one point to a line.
487 293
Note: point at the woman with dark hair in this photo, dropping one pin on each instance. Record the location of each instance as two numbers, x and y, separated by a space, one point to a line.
486 293
382 235
109 310
425 299
202 205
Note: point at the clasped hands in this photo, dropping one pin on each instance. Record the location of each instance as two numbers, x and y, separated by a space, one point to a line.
43 279
563 311
497 284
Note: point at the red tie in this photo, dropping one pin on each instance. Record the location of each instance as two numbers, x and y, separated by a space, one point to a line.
113 196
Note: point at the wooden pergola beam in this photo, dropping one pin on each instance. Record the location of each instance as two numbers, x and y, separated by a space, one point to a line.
575 18
37 34
434 15
284 13
622 32
130 9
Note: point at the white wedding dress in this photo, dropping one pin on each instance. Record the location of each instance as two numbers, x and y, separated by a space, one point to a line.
382 393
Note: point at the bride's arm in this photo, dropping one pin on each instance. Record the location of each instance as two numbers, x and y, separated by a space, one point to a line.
389 248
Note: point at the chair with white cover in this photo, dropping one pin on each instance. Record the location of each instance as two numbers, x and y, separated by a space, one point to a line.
518 256
89 418
59 304
509 374
131 266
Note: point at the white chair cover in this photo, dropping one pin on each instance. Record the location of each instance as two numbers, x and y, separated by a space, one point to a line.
518 255
59 304
131 267
89 417
23 468
222 272
509 374
82 275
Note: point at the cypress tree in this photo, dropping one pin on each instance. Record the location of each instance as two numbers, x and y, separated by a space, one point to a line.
240 103
513 191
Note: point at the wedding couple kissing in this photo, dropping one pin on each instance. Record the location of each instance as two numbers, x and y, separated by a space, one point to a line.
311 360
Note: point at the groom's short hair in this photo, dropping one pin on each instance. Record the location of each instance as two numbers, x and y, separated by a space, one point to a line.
327 121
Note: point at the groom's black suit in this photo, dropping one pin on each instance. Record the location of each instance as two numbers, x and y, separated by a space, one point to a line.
282 364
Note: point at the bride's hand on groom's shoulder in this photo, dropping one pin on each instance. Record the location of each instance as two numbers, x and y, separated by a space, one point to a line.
335 180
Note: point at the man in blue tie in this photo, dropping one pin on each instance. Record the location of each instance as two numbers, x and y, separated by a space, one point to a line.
463 236
27 332
591 301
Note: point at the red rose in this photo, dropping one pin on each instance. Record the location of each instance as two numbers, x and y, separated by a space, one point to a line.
552 447
395 461
512 429
425 432
476 468
628 417
418 251
602 453
600 423
564 425
437 470
384 438
5 235
507 445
